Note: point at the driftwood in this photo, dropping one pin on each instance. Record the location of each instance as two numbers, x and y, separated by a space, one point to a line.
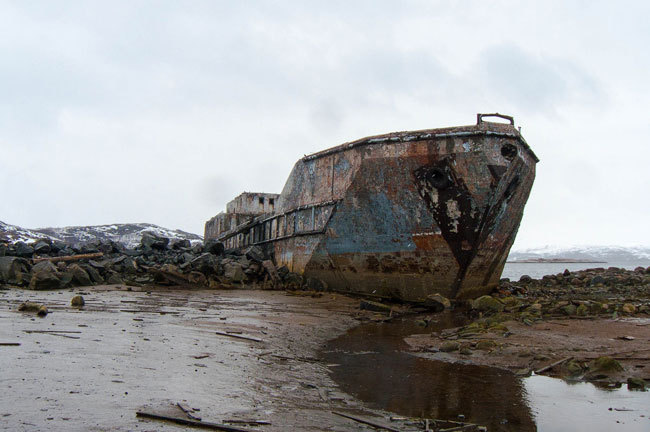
366 421
188 422
9 344
250 422
188 411
465 428
236 336
70 257
61 333
552 365
52 331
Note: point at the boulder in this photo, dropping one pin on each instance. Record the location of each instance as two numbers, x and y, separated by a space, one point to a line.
14 270
213 246
314 284
43 247
636 384
197 278
77 301
525 279
605 365
437 302
45 279
152 240
597 280
487 303
180 244
486 344
95 277
45 275
79 276
23 250
234 272
628 309
114 278
449 346
582 310
205 263
255 253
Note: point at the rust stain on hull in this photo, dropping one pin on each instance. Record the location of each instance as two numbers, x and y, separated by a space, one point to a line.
400 215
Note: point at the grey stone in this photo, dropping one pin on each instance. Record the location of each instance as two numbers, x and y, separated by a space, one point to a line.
95 277
45 276
437 302
23 250
79 276
153 241
14 270
255 253
234 272
214 247
42 247
205 263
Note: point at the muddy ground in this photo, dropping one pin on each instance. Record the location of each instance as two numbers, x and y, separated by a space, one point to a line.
92 368
132 349
524 348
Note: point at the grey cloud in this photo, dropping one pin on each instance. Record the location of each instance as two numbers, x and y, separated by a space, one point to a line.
533 83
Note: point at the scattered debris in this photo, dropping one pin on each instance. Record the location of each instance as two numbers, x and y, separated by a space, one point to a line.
552 365
366 421
190 422
41 310
188 411
236 336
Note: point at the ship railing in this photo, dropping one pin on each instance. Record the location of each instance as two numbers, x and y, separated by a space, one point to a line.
305 220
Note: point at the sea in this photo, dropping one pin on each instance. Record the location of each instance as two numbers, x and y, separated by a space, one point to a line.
514 271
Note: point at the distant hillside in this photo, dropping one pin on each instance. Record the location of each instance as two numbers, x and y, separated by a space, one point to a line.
617 254
127 234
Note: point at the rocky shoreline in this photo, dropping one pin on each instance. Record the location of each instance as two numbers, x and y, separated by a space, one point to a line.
48 264
591 325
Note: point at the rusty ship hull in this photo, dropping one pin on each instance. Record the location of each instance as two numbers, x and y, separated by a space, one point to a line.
402 215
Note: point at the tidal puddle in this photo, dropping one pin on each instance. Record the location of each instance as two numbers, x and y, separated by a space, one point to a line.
370 363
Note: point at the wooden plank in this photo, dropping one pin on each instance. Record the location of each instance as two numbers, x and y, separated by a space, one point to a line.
236 336
366 421
552 365
188 422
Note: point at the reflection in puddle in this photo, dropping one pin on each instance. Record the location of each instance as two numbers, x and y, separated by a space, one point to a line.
369 363
582 407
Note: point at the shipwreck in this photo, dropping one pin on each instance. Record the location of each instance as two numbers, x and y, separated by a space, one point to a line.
401 215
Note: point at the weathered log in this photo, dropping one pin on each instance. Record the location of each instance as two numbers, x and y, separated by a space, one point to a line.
69 257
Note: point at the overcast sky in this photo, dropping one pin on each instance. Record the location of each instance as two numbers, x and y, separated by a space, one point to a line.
162 111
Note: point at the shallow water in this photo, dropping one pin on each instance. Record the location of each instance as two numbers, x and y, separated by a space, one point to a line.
370 363
514 271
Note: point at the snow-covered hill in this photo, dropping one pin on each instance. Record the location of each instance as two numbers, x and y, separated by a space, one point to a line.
127 234
13 234
595 253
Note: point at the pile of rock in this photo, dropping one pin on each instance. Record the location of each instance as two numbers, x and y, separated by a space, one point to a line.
613 291
48 264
